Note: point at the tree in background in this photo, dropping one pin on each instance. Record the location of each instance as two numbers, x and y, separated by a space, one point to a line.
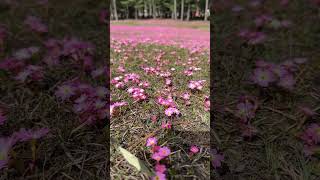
191 9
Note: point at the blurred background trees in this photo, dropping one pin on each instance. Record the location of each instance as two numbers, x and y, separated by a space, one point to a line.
174 9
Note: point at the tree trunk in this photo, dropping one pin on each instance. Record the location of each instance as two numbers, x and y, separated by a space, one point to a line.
182 9
127 13
206 9
197 9
154 9
145 10
115 9
150 8
188 12
175 9
136 13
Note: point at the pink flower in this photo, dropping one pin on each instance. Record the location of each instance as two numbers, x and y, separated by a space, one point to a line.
157 157
115 105
166 125
196 85
64 92
151 141
172 111
160 168
207 103
287 82
35 24
185 96
216 158
121 69
154 118
26 135
311 135
263 77
159 176
194 149
164 151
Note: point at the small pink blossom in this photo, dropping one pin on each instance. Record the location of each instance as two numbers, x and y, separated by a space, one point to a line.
194 149
151 141
26 135
35 24
160 168
172 111
164 151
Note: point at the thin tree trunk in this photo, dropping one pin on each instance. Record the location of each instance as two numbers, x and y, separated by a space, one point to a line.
154 9
150 8
206 9
145 10
135 13
115 9
127 13
175 9
188 12
182 9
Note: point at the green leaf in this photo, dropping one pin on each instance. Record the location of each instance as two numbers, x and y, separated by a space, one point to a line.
136 162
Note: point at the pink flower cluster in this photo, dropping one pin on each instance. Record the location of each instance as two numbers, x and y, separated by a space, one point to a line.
78 52
158 153
114 106
196 85
35 24
282 74
137 94
311 138
253 37
88 102
246 109
160 35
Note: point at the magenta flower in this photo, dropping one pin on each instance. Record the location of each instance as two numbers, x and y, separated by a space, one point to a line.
287 82
245 111
185 96
164 151
196 85
207 103
311 135
216 158
26 53
263 77
34 72
194 149
35 24
159 176
157 157
151 141
65 92
172 111
12 65
160 168
115 105
166 125
26 135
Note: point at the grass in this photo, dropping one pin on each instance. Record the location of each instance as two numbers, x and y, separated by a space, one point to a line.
277 151
64 153
131 127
